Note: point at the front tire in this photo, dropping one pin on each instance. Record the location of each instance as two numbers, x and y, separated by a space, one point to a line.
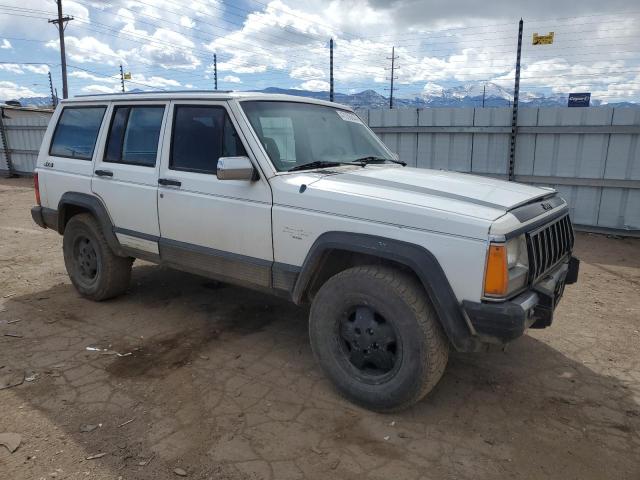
95 271
376 335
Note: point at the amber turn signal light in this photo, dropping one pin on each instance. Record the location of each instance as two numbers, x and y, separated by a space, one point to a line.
496 275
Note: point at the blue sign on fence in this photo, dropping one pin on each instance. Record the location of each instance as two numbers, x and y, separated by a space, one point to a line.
579 99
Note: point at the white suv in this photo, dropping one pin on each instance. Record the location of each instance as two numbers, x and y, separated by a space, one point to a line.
299 198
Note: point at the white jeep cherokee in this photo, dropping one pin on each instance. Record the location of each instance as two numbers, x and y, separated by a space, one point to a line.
299 198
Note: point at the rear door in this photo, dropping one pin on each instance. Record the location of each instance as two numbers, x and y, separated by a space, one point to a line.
220 228
126 172
65 163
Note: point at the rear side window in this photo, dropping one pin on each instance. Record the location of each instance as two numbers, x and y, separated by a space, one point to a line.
76 133
134 134
201 135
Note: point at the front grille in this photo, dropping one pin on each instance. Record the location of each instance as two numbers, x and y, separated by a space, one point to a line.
548 245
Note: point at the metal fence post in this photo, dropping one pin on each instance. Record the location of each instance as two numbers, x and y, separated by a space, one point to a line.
514 117
5 144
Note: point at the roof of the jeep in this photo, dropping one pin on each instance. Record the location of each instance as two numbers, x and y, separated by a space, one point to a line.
198 95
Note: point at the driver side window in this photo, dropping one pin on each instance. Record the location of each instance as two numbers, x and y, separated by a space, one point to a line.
201 135
279 139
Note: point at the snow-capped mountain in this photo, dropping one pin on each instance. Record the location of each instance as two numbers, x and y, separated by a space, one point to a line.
466 95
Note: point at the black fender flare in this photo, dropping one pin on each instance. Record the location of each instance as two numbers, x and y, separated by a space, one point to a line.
95 206
415 257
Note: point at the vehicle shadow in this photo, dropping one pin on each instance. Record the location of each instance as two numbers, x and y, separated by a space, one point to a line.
219 376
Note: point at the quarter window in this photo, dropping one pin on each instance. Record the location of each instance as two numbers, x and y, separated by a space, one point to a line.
76 133
134 134
201 135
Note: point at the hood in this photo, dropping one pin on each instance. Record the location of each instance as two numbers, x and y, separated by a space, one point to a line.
425 187
435 200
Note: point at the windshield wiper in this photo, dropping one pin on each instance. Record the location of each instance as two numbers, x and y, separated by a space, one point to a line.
372 159
323 164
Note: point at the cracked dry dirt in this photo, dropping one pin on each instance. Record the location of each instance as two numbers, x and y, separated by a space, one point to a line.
221 382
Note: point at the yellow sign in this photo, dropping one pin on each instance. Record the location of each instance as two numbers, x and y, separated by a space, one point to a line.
127 75
543 39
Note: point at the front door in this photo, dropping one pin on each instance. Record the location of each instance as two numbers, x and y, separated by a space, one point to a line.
219 228
126 172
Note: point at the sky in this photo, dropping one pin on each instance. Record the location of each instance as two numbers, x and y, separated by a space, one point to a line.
170 44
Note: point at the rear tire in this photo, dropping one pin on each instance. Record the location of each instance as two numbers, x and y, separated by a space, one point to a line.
377 337
95 271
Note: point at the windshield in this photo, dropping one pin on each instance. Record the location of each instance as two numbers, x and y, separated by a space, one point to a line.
295 134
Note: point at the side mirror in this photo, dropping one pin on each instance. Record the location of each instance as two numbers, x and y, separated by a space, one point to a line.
236 168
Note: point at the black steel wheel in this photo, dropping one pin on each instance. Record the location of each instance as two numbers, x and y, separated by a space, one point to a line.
376 336
94 269
370 343
86 258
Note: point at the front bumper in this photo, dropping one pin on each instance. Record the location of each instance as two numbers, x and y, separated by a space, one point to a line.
506 321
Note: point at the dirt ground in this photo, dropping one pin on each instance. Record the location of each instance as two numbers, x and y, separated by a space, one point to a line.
221 382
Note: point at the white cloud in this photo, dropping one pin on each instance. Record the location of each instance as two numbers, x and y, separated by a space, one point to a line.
95 78
267 38
19 69
100 89
39 69
171 49
231 79
238 64
153 81
431 88
187 22
12 67
87 50
314 86
437 47
26 26
10 91
163 8
305 71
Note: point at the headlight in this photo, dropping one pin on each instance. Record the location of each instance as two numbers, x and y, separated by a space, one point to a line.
517 252
507 267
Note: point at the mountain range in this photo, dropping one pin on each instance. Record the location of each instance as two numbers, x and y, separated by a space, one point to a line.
470 95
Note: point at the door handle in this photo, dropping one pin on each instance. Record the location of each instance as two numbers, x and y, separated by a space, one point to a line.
104 173
168 181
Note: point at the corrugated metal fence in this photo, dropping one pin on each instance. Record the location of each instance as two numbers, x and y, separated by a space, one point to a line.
590 155
21 130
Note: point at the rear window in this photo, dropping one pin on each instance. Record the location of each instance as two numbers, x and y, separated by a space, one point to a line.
77 131
134 134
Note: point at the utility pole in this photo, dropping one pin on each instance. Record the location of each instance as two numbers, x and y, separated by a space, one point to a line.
331 70
215 71
54 103
514 116
393 67
484 91
122 78
61 22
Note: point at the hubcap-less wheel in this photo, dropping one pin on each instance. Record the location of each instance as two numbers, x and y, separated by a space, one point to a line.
86 258
369 342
